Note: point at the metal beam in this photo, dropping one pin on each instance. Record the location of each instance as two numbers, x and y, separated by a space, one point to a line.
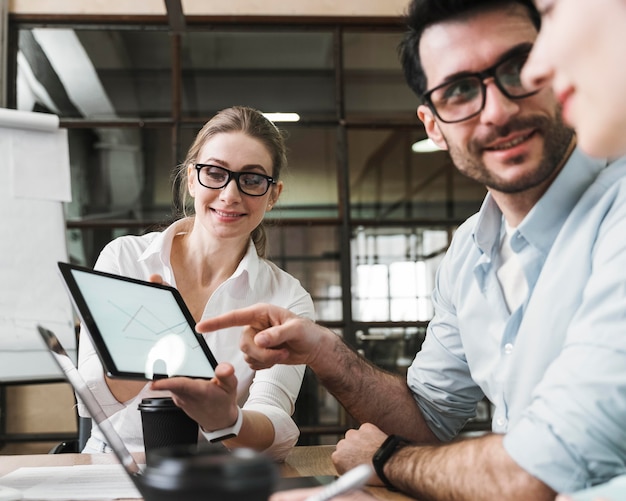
175 16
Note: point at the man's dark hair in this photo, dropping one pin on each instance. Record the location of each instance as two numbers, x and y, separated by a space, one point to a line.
423 13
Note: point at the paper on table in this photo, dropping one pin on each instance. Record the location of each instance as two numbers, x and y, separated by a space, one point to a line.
80 482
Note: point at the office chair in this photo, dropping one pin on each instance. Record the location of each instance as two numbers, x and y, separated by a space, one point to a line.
78 444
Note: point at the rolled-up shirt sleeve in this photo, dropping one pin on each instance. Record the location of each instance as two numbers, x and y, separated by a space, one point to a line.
573 435
273 393
439 376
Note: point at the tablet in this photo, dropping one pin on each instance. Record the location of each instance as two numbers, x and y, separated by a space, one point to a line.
140 330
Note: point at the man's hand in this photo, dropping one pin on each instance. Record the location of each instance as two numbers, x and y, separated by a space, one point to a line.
358 447
272 335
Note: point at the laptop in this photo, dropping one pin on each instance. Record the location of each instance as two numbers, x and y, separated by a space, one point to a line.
135 472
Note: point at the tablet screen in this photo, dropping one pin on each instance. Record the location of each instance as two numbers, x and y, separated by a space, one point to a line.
139 329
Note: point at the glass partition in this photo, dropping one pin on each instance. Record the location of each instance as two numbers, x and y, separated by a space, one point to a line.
375 88
389 181
116 173
311 254
394 272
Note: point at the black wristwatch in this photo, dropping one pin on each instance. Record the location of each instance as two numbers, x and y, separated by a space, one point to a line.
390 446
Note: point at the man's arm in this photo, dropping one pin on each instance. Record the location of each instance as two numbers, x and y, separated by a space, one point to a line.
370 394
470 469
273 335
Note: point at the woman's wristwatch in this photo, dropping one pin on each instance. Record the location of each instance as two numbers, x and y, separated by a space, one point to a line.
390 446
225 433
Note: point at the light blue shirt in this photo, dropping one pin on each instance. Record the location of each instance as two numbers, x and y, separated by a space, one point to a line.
555 368
614 490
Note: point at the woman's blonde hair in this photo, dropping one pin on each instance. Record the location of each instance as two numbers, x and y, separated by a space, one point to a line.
235 119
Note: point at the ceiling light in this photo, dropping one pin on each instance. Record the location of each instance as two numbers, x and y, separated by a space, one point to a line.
425 146
282 117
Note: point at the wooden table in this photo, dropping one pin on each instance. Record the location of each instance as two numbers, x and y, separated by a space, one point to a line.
315 460
301 462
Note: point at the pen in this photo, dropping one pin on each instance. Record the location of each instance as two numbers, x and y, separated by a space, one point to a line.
351 480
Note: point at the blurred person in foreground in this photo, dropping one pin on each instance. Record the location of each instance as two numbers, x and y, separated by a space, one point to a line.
581 52
586 68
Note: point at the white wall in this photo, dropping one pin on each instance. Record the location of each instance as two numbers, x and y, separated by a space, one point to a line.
214 7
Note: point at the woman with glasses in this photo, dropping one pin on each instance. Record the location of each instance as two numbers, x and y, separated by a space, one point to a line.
215 256
581 50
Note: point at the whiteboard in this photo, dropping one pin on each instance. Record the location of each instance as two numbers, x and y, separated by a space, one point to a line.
34 183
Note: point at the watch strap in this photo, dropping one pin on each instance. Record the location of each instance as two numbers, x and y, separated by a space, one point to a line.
225 433
391 445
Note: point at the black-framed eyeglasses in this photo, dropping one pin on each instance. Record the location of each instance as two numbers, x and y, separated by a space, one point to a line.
464 97
250 183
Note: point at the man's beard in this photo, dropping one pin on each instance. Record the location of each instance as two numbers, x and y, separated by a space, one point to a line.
557 138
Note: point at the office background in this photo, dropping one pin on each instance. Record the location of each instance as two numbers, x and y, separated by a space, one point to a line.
363 220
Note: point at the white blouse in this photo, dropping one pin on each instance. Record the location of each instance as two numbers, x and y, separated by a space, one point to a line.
272 392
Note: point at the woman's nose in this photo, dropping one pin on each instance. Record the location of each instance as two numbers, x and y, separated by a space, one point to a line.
230 191
537 72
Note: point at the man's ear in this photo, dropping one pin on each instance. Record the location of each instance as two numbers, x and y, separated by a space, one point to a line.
426 115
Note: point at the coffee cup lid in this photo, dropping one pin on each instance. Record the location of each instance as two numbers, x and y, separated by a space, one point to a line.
157 403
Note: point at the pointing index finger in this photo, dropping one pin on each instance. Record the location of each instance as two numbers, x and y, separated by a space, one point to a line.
233 318
259 316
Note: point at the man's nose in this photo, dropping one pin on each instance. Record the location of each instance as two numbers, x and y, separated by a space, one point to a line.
498 107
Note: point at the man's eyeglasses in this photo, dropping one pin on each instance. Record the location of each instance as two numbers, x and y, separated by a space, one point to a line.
250 183
464 97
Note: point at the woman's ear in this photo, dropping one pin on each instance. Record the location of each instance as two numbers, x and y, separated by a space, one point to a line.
425 114
191 185
274 195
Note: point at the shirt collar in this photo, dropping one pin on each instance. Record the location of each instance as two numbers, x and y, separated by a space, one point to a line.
248 266
161 247
162 243
544 221
542 224
488 224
